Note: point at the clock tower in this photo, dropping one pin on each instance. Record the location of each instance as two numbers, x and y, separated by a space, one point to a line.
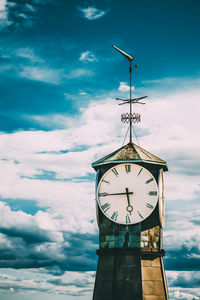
130 216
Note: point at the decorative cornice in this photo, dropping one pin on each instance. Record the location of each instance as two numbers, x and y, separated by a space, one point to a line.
134 251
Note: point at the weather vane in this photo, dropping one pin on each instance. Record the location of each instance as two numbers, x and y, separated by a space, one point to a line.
130 117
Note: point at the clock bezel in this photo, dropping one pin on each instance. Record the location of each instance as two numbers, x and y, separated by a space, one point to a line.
161 200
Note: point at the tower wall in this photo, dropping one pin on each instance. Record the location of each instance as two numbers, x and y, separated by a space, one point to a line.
130 275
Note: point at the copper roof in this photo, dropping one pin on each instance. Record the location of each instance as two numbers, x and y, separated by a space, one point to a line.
130 153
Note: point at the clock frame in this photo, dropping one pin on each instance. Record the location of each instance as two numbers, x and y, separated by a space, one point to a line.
161 202
127 194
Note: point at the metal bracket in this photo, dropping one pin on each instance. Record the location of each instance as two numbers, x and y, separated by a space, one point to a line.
130 117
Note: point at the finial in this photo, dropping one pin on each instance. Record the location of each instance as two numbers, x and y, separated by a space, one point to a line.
130 117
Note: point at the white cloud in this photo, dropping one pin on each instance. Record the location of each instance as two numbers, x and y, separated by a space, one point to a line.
124 87
31 65
3 5
23 16
173 82
168 136
169 129
92 13
21 224
183 285
184 294
81 92
32 283
88 56
42 73
4 20
29 54
29 7
76 73
19 14
177 190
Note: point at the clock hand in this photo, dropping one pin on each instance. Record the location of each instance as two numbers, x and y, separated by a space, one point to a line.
106 194
127 193
129 207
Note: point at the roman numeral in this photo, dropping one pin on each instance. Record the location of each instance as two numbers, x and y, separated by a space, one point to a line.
152 193
105 181
149 205
114 216
128 168
149 180
115 171
140 172
102 194
128 219
140 215
105 207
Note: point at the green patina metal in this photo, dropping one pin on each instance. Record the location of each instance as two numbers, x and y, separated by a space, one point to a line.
132 236
130 153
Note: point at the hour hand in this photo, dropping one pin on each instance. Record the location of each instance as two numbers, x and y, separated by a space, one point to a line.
129 207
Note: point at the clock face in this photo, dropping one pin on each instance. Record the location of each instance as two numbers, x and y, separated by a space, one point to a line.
161 197
127 194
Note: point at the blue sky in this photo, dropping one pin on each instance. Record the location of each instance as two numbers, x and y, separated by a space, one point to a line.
59 78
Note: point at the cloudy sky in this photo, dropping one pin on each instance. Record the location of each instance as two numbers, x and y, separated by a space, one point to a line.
59 79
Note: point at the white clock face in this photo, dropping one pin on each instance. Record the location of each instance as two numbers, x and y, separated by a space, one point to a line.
127 194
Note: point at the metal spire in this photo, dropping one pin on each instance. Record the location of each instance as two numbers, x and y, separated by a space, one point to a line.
130 117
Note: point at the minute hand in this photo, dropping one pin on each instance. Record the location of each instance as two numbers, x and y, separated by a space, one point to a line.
129 193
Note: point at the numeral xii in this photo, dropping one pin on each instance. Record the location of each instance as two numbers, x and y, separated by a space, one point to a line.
128 168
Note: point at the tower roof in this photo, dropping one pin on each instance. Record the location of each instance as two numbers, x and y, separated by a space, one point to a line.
130 153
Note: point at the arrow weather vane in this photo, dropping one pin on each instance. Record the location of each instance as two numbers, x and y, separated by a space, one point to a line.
130 117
